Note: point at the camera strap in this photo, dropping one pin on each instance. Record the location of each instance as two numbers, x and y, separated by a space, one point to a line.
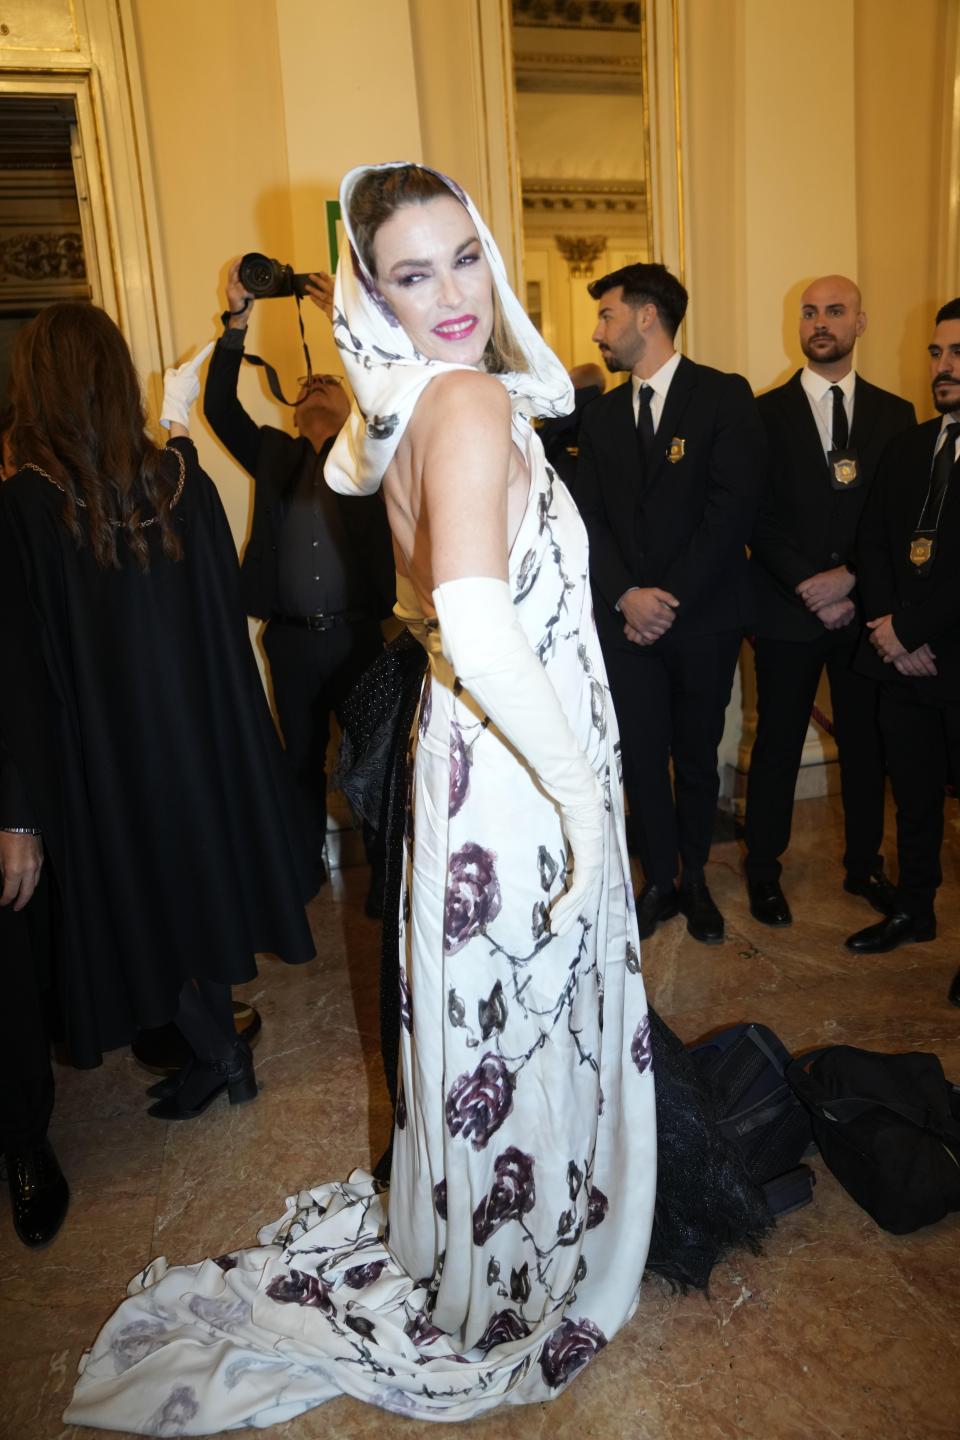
273 380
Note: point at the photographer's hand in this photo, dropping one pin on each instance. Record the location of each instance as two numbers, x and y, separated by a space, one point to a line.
320 291
239 299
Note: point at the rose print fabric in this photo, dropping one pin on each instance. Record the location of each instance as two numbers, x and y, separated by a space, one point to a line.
510 1246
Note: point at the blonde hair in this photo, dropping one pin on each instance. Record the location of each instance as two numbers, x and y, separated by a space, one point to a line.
377 195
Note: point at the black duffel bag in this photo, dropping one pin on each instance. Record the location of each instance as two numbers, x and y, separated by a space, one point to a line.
888 1126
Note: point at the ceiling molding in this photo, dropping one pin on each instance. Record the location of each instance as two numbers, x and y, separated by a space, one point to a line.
578 14
587 74
549 196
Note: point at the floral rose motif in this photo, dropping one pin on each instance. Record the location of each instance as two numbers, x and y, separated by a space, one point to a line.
456 1009
360 1275
406 1004
597 1207
574 1179
401 1111
361 1325
512 1194
135 1342
492 1012
571 1345
420 1331
296 1288
633 960
478 1104
548 868
641 1049
526 576
598 709
459 769
426 705
520 1283
171 1417
472 897
539 921
440 1198
505 1326
381 427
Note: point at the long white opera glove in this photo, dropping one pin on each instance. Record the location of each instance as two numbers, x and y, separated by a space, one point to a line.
181 388
490 654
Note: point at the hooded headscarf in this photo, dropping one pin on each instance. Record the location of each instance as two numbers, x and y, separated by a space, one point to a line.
387 371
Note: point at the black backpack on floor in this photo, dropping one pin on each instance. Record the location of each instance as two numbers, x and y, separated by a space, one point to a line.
758 1111
888 1126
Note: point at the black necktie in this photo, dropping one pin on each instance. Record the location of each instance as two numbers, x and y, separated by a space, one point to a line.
841 430
939 478
645 418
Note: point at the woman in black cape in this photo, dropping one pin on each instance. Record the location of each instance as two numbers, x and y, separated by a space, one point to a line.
133 712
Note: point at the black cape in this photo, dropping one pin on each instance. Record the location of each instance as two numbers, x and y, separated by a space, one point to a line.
133 710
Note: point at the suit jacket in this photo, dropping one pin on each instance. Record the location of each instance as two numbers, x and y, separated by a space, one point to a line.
274 459
681 523
804 525
925 611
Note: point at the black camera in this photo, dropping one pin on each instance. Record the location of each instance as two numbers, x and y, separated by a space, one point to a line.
266 278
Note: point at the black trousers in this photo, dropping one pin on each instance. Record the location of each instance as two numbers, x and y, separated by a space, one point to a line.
923 749
312 673
26 1076
788 673
670 705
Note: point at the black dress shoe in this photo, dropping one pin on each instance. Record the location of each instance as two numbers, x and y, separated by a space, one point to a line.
39 1194
899 929
876 889
953 994
768 904
654 905
704 921
205 1082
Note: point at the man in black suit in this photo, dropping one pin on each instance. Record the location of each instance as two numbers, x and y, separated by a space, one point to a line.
668 477
560 437
318 567
909 577
826 430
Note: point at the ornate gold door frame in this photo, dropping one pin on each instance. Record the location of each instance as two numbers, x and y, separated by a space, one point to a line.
86 50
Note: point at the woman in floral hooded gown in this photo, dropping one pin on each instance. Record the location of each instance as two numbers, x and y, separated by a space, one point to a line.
510 1247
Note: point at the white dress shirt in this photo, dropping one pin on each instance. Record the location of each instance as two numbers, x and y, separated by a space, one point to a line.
818 391
953 419
659 383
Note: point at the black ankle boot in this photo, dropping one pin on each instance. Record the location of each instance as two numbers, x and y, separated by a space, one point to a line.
207 1080
170 1084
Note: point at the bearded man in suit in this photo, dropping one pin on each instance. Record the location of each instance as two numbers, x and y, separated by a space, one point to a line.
669 474
909 576
826 430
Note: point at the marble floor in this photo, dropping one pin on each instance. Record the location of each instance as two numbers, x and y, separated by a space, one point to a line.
838 1330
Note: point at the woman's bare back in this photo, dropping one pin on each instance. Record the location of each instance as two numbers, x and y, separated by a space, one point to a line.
457 487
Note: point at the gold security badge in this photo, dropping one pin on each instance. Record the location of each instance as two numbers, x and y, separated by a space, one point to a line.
921 549
845 471
676 450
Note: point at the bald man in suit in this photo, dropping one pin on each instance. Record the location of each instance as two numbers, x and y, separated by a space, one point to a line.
826 430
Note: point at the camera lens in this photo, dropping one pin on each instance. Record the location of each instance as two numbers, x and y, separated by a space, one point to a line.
258 274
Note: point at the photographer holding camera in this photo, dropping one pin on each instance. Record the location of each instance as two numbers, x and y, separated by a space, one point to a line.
318 566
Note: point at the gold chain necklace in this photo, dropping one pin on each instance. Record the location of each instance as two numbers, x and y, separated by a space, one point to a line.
142 524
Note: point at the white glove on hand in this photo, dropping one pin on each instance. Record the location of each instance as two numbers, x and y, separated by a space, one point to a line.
489 652
181 388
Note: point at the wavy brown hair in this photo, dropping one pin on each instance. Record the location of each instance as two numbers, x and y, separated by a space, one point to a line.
78 415
376 196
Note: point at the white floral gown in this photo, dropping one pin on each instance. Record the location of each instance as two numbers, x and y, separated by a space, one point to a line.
521 1198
